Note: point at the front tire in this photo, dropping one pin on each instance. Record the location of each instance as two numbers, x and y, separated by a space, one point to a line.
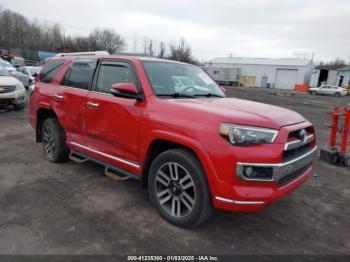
178 188
53 139
337 94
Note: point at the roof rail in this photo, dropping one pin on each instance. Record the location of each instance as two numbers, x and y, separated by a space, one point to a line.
84 53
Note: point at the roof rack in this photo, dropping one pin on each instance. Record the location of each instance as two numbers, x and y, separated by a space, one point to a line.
84 53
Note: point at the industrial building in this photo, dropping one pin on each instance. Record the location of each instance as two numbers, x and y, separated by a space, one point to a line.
343 78
261 72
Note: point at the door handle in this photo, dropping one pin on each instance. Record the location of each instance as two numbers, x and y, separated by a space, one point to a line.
58 97
92 105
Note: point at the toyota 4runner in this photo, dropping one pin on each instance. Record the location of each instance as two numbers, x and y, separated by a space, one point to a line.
192 147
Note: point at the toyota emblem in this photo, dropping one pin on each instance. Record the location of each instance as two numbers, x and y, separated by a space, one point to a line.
302 135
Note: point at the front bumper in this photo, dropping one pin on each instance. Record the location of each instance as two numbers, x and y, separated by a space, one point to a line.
17 97
254 195
290 160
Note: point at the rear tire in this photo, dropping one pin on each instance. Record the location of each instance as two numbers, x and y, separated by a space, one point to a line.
178 188
53 139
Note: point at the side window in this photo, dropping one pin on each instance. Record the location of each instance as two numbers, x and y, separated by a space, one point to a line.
50 70
80 73
113 73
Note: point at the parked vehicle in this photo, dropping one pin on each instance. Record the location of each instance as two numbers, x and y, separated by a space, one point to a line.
17 61
12 92
26 74
8 66
328 90
194 149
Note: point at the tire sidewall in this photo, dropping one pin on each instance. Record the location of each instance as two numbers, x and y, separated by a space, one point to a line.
60 152
201 191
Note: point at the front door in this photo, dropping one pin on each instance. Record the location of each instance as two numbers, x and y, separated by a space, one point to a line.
112 123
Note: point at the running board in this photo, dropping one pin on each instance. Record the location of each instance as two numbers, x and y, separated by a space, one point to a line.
78 159
111 171
116 176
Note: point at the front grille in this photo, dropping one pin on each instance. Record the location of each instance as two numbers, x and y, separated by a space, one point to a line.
290 177
295 146
295 153
296 134
7 89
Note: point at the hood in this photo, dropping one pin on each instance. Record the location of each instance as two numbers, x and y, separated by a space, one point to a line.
244 112
8 81
10 69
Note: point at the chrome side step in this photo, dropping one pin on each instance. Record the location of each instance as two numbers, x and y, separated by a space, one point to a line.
78 159
110 171
116 176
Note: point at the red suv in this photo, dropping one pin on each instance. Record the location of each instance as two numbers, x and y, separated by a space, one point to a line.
170 125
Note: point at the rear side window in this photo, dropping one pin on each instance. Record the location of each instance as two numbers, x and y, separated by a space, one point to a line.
112 73
50 70
80 73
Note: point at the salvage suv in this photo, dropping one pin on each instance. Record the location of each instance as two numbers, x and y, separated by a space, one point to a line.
193 148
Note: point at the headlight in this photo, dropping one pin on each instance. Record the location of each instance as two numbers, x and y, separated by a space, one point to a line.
19 86
239 135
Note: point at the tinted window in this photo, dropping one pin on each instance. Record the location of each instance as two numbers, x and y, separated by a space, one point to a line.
112 73
50 70
80 74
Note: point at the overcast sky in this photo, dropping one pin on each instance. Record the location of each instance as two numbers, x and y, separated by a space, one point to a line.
214 28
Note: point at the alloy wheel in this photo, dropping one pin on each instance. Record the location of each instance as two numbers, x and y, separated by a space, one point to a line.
48 140
175 189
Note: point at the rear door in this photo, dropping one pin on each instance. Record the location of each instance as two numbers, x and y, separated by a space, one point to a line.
113 123
76 87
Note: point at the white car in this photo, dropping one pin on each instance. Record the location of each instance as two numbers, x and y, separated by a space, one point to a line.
12 92
25 74
8 66
328 90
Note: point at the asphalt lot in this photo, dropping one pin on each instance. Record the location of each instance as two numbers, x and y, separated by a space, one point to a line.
73 208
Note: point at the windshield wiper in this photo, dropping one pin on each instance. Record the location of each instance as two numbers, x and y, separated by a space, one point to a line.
176 95
209 95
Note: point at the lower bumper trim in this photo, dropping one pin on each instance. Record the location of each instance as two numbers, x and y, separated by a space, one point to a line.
236 202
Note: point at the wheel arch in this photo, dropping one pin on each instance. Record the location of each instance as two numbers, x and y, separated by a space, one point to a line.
161 144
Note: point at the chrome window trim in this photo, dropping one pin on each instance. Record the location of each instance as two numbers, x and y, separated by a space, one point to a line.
107 155
298 143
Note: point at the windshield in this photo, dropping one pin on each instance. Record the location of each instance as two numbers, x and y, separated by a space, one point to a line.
34 69
180 80
3 71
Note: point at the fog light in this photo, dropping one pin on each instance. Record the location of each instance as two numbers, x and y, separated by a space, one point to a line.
248 171
255 172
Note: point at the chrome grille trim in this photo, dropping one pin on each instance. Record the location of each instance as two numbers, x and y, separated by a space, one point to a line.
298 143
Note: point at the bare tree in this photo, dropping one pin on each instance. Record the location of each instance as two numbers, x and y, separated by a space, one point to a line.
150 47
335 64
182 52
162 50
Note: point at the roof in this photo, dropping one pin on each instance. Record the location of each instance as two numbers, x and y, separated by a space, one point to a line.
261 61
121 57
347 68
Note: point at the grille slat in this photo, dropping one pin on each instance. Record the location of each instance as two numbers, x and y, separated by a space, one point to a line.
7 89
292 176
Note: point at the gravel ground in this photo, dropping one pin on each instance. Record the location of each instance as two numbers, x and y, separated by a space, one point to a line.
73 208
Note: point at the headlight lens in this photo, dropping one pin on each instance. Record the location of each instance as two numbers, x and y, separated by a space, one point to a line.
239 135
19 86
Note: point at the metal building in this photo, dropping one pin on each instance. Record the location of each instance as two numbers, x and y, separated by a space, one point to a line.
343 78
264 72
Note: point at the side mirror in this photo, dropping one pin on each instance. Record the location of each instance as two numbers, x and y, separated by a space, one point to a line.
126 90
35 75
